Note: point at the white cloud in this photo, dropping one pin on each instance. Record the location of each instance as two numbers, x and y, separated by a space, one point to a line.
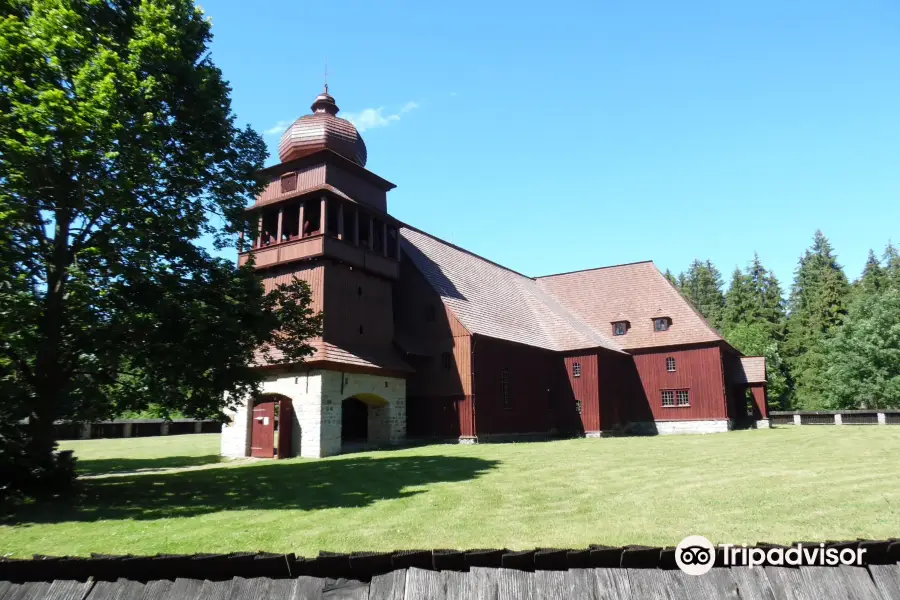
277 128
371 118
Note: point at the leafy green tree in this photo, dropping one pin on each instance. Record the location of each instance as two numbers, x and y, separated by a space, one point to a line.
816 307
891 260
118 151
864 355
702 286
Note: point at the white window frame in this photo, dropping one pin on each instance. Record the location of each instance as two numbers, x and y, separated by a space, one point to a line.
576 369
670 364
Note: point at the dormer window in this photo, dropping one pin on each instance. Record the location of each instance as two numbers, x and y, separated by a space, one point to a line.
620 327
661 324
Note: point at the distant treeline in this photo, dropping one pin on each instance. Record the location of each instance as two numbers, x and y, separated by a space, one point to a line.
832 344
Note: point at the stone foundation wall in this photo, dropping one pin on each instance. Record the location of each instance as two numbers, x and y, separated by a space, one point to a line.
317 397
235 441
677 427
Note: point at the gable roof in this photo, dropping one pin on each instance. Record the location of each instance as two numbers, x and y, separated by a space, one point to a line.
638 290
497 302
750 369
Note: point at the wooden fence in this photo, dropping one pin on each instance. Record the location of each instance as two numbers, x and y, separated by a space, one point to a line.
835 417
125 428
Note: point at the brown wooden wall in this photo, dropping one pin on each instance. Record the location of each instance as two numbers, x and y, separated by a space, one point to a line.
584 389
761 400
311 273
439 395
356 187
355 299
533 375
308 178
697 369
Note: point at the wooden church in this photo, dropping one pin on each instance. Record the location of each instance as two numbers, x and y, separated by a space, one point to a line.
423 339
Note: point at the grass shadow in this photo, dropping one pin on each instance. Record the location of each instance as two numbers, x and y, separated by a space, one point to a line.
104 466
266 485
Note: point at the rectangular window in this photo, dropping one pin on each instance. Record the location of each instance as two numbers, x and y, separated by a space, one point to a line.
668 398
504 388
661 324
670 364
576 369
620 328
673 398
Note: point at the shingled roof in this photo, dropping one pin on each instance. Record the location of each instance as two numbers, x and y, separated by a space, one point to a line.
497 302
570 311
750 369
638 290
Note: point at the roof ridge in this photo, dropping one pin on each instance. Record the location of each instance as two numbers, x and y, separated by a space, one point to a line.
461 249
573 320
690 304
628 264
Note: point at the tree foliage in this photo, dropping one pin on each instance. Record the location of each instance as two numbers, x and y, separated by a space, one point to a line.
118 151
817 305
702 286
753 322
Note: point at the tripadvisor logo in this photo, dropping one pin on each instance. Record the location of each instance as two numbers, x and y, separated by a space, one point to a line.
695 555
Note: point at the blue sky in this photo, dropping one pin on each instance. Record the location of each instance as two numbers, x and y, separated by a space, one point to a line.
558 136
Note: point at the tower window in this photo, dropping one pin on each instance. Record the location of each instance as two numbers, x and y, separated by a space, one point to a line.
576 369
447 360
661 324
504 388
670 364
288 182
620 327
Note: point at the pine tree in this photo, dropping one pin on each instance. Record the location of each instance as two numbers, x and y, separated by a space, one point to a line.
753 322
702 286
891 260
668 275
817 306
873 276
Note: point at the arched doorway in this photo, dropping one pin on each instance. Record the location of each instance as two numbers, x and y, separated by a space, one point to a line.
271 427
363 422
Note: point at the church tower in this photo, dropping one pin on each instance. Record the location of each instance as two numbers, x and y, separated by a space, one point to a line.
323 218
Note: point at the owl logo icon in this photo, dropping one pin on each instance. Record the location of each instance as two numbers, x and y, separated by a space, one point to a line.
695 555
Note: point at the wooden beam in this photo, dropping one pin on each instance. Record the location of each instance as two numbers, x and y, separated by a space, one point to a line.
259 232
302 233
280 220
340 231
397 229
371 233
322 214
241 241
356 227
384 243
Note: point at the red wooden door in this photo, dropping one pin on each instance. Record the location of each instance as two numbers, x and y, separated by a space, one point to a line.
262 437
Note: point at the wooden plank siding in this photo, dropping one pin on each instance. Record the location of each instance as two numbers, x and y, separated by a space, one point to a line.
358 309
356 187
532 373
697 369
584 389
439 394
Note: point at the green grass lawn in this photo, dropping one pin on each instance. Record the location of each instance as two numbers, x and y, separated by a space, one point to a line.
789 484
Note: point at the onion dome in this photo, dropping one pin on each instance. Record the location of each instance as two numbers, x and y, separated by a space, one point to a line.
322 129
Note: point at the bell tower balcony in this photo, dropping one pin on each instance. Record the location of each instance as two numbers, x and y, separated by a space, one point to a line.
324 223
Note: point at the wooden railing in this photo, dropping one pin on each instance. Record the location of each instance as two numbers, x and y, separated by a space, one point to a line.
125 428
877 416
